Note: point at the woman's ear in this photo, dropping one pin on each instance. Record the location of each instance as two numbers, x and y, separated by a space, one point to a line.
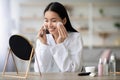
64 21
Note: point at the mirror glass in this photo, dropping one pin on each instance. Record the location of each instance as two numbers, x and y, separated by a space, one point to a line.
20 46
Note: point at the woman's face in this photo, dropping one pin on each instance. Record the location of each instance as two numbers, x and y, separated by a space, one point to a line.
51 19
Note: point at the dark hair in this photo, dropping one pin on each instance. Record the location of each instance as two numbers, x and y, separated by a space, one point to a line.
61 11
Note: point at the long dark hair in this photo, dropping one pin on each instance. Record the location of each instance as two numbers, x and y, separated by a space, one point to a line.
61 11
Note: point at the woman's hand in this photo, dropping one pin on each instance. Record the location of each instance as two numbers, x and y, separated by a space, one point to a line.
63 34
42 35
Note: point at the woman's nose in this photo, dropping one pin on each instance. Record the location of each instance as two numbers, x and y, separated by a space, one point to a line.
49 24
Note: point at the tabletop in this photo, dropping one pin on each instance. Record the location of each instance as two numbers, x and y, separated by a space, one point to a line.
60 76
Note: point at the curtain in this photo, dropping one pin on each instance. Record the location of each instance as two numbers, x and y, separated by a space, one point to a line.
5 29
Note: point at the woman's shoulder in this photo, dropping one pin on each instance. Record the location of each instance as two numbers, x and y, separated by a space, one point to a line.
73 38
74 34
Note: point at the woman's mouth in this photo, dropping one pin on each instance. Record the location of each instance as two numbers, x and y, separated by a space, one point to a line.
51 29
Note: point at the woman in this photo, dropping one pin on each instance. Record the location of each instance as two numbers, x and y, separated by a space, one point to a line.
59 46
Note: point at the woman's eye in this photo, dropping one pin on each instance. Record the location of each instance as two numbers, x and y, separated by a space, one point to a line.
54 21
45 21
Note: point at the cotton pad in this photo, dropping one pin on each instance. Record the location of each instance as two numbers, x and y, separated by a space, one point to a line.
59 24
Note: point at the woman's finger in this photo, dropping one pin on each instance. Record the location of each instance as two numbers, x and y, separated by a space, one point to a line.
62 30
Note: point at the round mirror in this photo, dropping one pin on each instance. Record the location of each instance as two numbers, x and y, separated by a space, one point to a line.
20 46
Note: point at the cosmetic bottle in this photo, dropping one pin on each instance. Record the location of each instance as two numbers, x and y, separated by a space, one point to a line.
105 67
112 64
100 67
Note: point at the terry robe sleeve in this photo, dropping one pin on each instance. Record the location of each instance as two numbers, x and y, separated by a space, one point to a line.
68 55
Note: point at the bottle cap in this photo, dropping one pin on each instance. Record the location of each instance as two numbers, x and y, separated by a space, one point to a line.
100 60
112 57
105 61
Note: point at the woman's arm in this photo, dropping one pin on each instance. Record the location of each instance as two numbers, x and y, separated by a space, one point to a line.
44 57
68 57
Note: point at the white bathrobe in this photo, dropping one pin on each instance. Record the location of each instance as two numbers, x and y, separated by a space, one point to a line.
63 57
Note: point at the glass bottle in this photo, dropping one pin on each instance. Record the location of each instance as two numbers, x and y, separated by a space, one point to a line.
112 64
105 67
